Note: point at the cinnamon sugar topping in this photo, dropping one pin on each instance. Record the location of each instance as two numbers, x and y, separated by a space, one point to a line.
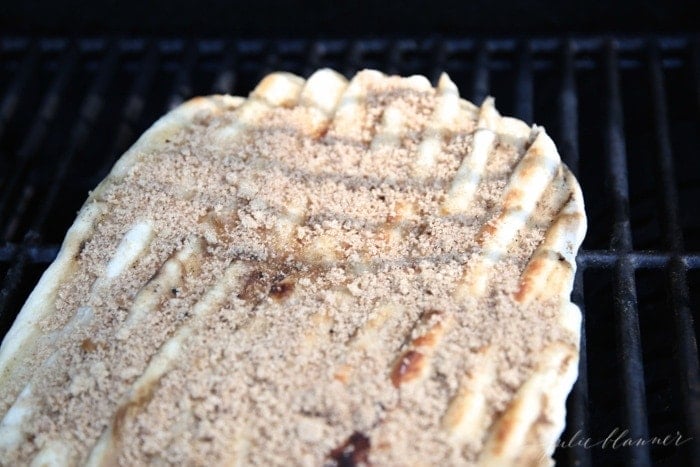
292 284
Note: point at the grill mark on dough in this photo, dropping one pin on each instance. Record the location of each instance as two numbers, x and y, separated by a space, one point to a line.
509 433
351 111
467 415
365 338
322 94
555 255
531 177
171 275
162 362
446 111
464 183
414 362
14 377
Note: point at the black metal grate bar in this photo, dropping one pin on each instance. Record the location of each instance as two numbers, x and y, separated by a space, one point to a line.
353 58
625 299
689 375
480 89
523 85
270 61
617 155
393 60
226 79
676 272
639 259
437 65
578 422
568 109
630 351
695 59
577 419
667 186
182 87
314 55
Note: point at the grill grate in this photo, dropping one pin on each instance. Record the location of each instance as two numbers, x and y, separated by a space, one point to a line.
625 113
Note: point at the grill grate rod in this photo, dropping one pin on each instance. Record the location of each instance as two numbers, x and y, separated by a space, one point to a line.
226 79
271 59
352 59
629 345
568 117
393 58
676 271
182 85
439 54
480 89
568 110
312 58
695 63
524 85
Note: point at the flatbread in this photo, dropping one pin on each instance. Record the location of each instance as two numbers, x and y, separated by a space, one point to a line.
324 273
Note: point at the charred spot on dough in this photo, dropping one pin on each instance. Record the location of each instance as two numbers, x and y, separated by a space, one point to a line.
124 412
407 368
254 285
543 419
507 426
282 289
430 338
88 346
354 451
343 374
566 362
429 313
513 197
427 339
80 249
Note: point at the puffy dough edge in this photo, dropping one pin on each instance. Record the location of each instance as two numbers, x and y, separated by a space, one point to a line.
556 373
19 344
571 319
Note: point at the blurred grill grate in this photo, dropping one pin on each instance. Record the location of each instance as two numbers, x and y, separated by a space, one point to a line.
618 108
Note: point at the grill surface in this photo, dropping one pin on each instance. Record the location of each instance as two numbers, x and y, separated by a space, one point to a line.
625 113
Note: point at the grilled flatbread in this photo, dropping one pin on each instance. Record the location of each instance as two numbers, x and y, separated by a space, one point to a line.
324 273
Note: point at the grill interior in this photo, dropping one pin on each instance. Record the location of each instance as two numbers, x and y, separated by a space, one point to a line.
624 112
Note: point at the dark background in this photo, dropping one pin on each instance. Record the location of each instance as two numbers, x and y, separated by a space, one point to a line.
336 18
